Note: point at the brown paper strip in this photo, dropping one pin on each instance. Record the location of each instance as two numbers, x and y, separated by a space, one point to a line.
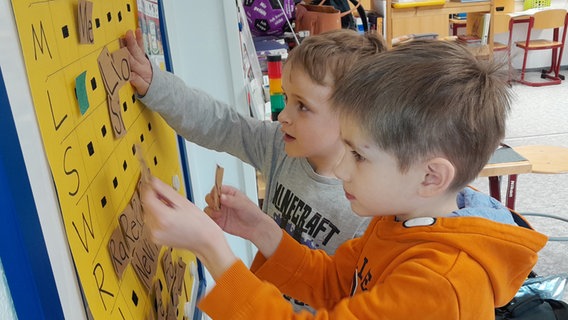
119 252
85 23
216 192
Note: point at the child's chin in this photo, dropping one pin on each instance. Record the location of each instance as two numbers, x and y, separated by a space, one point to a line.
293 152
361 212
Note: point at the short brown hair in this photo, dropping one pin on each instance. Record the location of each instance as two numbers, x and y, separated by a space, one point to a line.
429 98
326 57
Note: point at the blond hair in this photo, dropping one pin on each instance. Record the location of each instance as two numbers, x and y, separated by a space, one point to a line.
327 56
429 98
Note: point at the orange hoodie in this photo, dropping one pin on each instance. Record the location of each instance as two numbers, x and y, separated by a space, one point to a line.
444 268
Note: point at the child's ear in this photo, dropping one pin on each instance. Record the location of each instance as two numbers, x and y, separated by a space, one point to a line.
438 176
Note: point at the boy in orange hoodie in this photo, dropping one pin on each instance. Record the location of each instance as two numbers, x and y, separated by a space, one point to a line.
419 123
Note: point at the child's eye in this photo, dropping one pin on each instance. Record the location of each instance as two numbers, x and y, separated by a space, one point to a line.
357 156
303 107
285 97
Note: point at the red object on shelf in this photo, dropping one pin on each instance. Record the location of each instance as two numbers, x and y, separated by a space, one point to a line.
274 65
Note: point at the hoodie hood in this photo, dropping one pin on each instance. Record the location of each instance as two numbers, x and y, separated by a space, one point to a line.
506 252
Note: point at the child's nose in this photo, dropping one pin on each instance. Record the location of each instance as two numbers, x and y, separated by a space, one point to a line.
283 116
340 170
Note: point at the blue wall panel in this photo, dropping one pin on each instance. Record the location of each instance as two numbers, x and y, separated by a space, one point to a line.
22 246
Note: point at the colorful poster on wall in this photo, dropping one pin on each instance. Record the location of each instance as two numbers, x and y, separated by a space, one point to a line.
149 23
99 142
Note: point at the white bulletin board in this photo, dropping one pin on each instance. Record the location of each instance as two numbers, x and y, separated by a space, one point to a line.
94 131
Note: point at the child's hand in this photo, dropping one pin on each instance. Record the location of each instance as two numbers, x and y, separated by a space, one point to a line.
140 67
174 221
241 217
238 215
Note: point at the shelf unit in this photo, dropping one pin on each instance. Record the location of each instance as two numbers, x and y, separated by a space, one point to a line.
431 19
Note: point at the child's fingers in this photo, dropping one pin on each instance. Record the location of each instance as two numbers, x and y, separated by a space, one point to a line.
159 196
166 191
139 38
209 199
141 72
153 200
229 190
230 197
134 46
139 65
212 213
139 83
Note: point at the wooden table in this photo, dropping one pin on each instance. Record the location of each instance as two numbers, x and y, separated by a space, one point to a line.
545 159
539 159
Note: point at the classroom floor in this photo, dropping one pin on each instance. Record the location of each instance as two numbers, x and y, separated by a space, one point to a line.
540 116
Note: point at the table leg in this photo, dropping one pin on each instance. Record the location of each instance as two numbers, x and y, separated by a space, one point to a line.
495 187
511 191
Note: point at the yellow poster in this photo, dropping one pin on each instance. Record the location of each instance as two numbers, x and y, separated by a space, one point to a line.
94 133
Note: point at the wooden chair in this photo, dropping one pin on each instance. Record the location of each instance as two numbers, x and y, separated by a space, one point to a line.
501 24
548 19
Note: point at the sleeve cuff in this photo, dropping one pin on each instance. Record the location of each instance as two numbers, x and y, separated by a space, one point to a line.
153 93
259 260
